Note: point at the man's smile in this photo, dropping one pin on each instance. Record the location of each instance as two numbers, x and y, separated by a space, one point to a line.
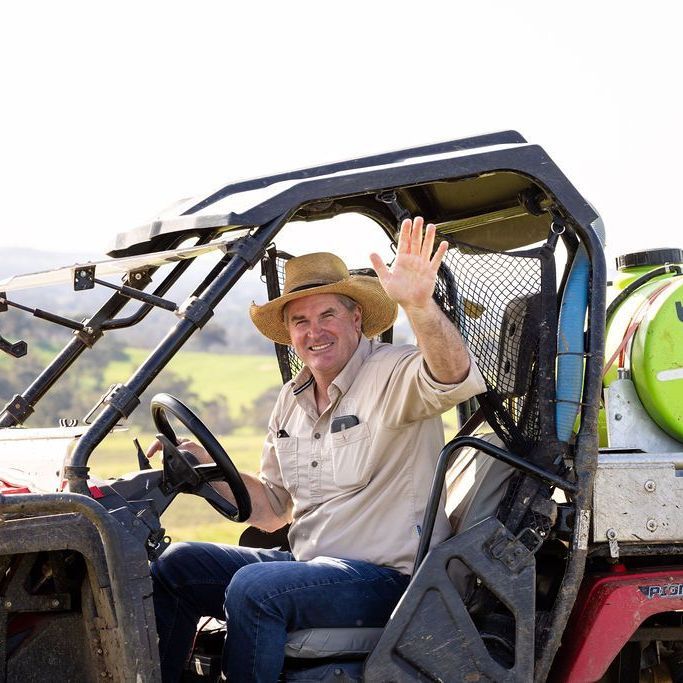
320 347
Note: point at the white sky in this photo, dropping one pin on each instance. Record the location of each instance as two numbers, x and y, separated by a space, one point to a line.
110 112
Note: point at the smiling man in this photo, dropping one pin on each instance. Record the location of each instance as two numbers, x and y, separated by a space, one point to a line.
325 330
348 461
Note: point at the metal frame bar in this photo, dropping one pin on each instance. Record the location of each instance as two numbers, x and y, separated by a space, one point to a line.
585 449
443 462
252 248
101 321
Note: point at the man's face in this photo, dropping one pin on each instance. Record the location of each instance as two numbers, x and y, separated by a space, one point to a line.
324 333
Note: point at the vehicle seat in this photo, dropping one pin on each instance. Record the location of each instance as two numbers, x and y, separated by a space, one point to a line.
476 484
314 643
317 643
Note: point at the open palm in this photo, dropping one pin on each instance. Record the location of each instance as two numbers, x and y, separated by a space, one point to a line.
410 280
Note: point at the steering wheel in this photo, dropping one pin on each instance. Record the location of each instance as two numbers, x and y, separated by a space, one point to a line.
201 474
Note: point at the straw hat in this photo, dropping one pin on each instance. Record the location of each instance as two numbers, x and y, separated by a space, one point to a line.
325 273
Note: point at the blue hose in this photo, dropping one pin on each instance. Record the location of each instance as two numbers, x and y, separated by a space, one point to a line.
570 345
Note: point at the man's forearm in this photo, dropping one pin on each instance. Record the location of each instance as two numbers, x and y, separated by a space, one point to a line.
262 514
442 346
410 283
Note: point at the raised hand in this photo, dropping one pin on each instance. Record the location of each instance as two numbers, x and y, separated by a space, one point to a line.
410 280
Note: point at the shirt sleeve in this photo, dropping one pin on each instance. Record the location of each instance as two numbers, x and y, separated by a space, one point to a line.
414 395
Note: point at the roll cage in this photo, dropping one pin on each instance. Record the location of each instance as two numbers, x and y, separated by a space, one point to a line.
487 195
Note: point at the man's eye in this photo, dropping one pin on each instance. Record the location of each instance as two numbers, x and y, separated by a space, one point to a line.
299 323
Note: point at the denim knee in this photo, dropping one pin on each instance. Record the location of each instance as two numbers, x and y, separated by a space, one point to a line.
248 588
172 567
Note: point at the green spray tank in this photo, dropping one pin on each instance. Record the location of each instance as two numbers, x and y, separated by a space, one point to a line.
644 346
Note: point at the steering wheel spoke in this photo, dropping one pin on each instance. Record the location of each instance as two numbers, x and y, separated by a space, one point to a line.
209 472
184 474
213 498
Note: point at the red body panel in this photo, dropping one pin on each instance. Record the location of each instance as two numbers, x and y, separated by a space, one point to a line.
608 611
9 488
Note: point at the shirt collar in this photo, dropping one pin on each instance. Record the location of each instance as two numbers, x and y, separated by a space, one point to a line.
344 379
303 380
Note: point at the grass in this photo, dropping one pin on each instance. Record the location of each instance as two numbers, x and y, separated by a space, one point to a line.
240 378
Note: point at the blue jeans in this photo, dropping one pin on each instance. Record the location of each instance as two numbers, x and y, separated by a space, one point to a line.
263 594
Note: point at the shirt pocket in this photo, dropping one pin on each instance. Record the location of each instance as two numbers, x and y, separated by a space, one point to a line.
351 466
287 456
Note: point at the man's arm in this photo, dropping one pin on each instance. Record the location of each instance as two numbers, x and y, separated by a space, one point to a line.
410 283
262 514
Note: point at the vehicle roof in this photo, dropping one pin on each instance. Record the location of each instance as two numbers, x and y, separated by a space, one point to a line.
472 187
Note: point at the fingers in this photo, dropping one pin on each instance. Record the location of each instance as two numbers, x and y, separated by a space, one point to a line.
154 448
379 266
410 238
428 243
404 237
438 256
416 235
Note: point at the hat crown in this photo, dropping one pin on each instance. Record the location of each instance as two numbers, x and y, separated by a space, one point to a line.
312 270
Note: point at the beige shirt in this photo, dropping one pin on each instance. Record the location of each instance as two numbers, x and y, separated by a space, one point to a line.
361 493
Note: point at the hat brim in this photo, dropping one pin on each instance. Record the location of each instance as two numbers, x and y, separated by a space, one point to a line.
378 310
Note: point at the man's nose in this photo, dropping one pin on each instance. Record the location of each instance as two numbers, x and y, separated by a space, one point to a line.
315 328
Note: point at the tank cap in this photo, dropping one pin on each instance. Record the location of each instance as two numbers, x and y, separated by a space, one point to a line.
651 257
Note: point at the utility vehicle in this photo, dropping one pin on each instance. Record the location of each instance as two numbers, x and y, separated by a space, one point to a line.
579 574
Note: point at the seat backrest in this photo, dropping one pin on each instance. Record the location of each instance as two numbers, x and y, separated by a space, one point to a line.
253 537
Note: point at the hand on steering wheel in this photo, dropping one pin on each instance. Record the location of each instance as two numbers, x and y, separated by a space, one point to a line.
197 477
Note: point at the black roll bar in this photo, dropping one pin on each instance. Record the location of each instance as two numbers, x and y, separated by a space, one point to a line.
439 479
246 252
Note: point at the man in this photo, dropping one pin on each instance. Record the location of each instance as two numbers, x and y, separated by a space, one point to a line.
349 459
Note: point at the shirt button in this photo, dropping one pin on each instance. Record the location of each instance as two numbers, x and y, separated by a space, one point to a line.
316 435
314 463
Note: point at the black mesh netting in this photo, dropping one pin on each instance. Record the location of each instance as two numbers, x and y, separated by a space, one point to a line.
495 300
274 272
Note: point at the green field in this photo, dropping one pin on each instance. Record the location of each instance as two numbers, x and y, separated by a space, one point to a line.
240 378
